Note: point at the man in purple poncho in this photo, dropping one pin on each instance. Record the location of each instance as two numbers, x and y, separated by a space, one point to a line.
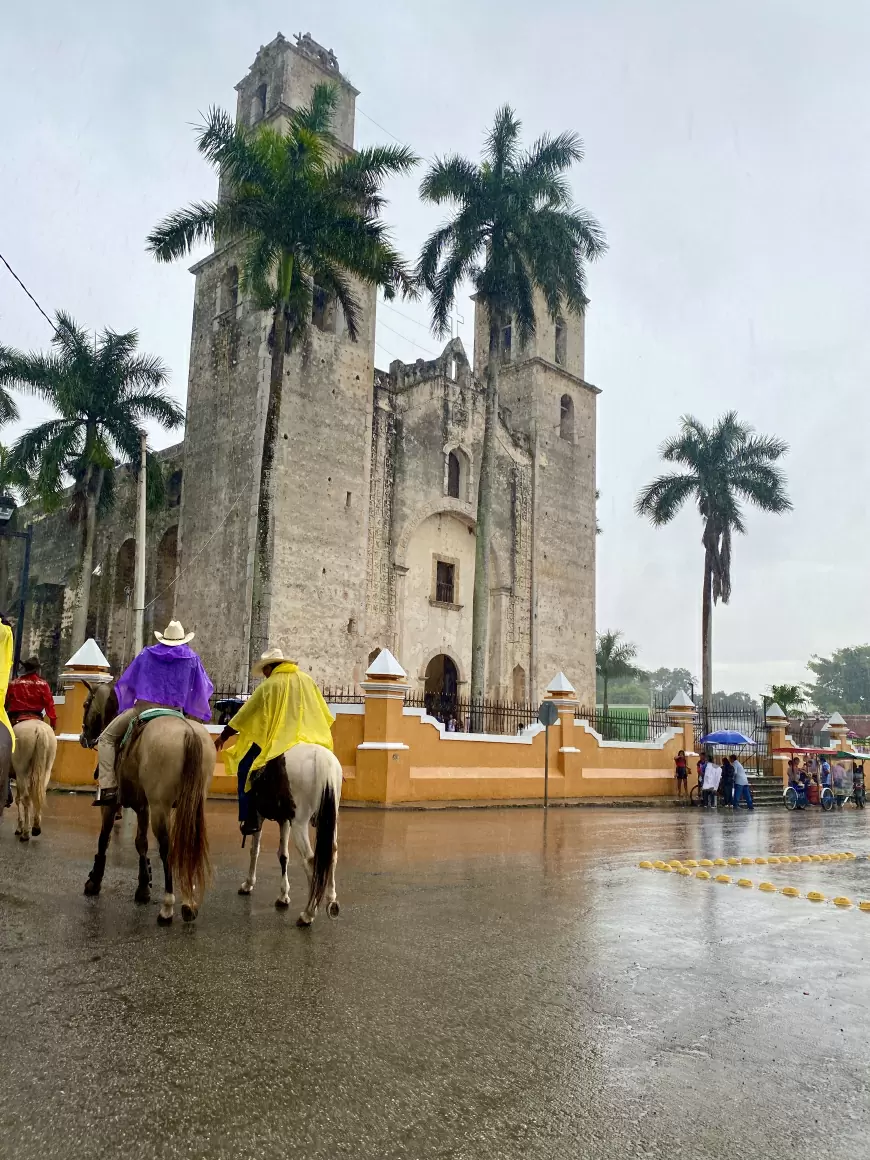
167 675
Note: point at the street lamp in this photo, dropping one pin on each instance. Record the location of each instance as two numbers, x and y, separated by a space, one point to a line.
8 507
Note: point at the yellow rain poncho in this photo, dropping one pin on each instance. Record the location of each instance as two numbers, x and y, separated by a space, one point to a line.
286 709
6 653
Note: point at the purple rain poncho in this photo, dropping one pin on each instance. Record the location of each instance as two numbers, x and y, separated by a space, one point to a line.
168 675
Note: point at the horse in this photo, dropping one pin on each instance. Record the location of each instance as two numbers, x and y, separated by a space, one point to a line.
168 761
302 787
32 761
5 766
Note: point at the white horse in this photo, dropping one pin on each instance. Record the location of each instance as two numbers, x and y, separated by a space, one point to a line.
32 761
298 789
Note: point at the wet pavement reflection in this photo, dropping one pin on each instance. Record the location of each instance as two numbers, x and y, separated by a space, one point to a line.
499 985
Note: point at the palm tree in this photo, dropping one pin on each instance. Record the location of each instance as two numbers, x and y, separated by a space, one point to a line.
103 392
307 218
614 657
513 231
724 466
14 485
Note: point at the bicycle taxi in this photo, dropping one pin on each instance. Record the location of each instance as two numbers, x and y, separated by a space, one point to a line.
824 778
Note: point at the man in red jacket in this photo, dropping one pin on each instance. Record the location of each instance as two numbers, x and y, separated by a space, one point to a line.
29 696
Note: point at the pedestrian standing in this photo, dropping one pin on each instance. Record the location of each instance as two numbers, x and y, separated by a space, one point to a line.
727 783
741 784
681 775
712 777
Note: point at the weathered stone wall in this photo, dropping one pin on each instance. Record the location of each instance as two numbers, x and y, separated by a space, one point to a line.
53 566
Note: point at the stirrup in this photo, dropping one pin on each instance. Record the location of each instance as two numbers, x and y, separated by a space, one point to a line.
107 797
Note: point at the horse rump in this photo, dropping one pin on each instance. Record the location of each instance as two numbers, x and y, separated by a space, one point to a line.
188 844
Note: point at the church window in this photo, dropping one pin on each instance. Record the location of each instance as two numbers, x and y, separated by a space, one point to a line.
173 489
230 289
453 475
566 421
519 682
506 343
561 342
453 369
258 108
322 312
445 581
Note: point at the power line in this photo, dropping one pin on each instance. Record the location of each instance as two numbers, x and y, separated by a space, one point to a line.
27 292
411 340
409 317
382 128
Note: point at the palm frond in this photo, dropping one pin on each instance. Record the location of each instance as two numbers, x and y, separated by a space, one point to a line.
451 179
501 140
662 499
180 231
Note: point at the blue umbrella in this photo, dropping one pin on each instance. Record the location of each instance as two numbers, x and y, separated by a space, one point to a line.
727 737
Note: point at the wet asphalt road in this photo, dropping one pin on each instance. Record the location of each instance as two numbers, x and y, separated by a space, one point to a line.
492 989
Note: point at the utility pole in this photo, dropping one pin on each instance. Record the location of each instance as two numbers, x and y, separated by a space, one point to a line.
139 576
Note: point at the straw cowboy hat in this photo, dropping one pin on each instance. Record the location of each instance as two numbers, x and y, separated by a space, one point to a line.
272 656
174 634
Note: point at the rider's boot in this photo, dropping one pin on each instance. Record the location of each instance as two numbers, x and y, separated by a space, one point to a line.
106 797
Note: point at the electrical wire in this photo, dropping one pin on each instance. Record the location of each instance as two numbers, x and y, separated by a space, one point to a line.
27 292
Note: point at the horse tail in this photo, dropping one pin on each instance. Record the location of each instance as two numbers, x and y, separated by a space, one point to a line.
40 765
188 845
328 772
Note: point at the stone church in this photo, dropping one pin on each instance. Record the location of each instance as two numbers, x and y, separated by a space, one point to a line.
375 487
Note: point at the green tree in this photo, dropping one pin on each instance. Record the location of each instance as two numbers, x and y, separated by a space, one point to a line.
15 485
790 698
842 680
723 467
513 231
307 219
103 392
614 657
666 683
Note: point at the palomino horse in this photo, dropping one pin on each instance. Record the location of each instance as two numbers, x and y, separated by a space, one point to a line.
166 763
300 788
35 750
5 766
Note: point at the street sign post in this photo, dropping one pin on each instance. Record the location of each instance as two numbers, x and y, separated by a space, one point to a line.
548 715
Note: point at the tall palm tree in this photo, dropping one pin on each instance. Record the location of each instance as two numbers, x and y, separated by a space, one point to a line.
103 392
614 657
723 467
513 230
14 485
306 217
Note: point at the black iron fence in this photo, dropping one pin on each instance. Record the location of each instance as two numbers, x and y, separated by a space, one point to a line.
627 723
225 702
464 715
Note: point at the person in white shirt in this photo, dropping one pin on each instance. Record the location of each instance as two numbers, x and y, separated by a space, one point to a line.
741 784
712 777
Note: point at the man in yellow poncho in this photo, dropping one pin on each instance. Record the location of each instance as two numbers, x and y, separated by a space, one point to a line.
286 709
6 654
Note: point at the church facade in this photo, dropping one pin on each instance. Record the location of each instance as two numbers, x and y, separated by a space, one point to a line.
375 479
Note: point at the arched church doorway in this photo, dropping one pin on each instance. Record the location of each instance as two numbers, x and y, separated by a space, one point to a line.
442 682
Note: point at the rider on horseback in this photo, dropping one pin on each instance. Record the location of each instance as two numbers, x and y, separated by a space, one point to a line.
166 675
29 696
286 709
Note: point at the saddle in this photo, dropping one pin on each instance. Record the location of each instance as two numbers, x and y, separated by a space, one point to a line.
134 730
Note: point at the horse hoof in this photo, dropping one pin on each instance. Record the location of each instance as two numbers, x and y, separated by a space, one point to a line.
164 919
92 888
302 920
24 837
143 894
333 909
245 888
36 831
188 913
282 903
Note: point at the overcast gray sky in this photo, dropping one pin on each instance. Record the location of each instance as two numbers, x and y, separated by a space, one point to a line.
725 156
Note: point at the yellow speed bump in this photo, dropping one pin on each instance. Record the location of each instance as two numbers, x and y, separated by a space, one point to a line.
848 853
746 861
815 857
676 863
690 862
723 877
686 873
814 896
864 905
804 858
733 861
774 861
842 900
706 874
645 865
719 862
706 862
767 887
790 892
658 864
760 861
746 882
827 857
666 869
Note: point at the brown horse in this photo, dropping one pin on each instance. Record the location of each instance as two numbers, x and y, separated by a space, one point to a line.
5 766
35 751
167 763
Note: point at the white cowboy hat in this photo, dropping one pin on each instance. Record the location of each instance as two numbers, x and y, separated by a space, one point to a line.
174 634
272 656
